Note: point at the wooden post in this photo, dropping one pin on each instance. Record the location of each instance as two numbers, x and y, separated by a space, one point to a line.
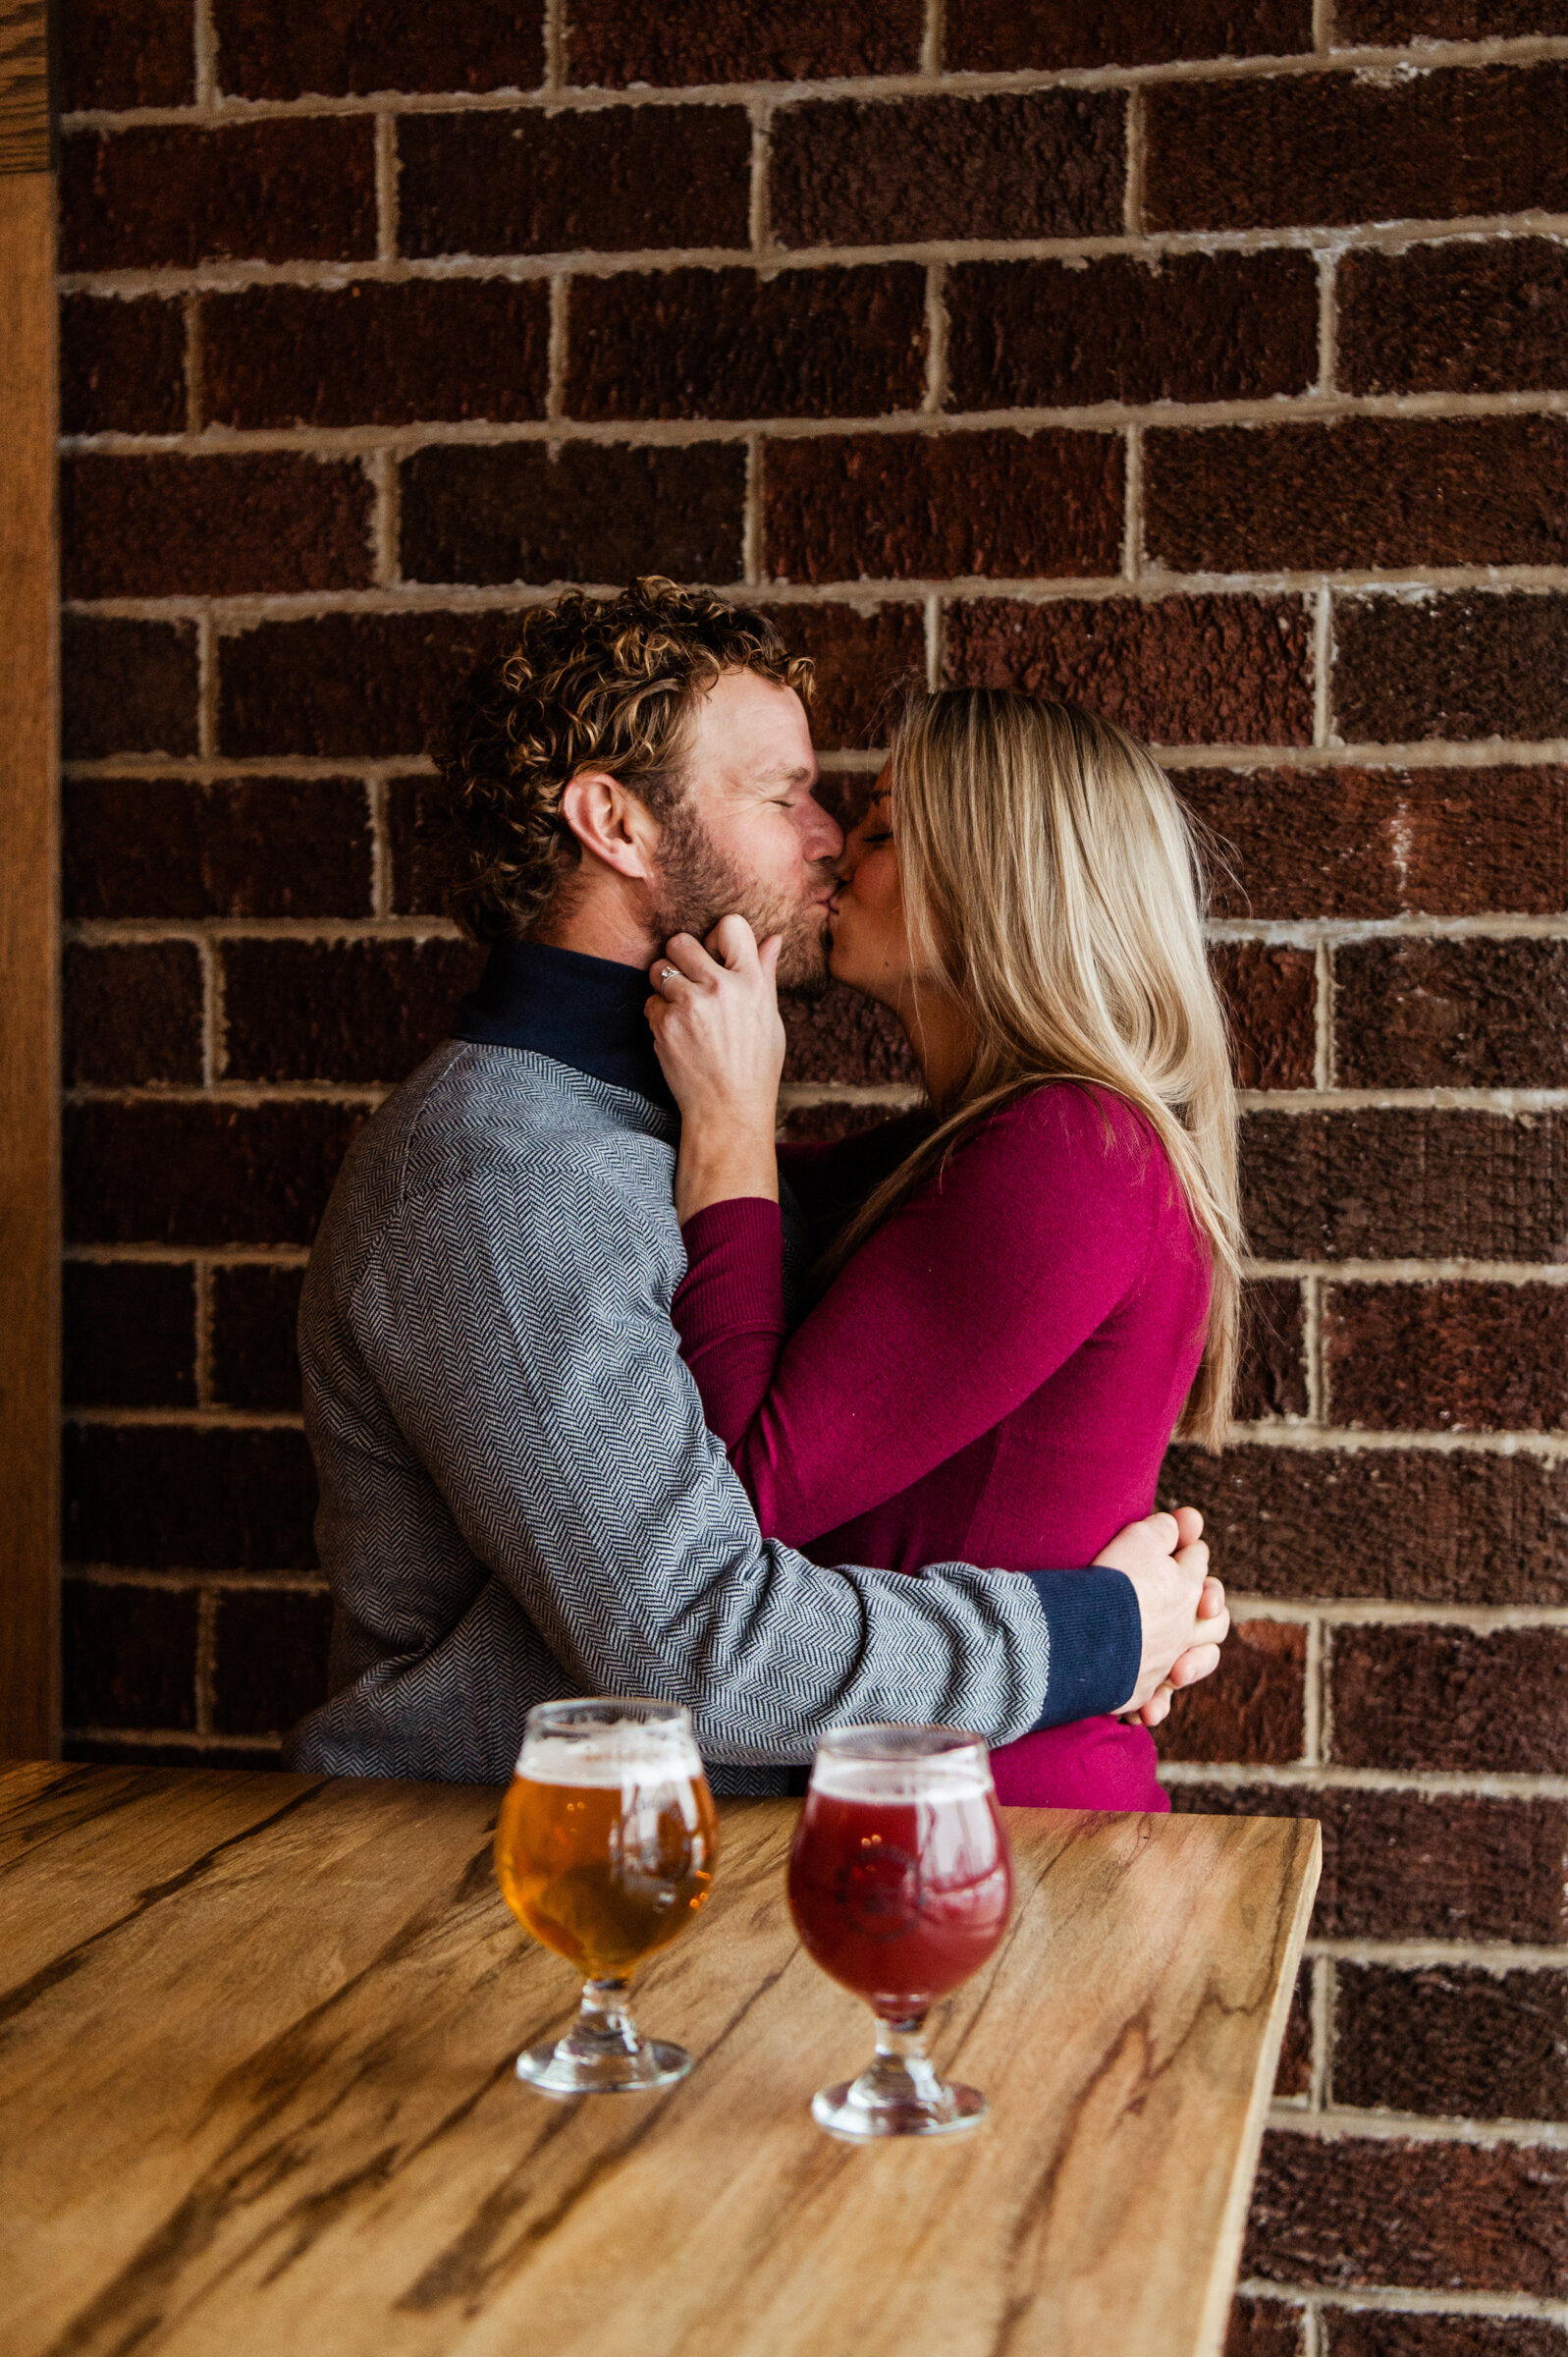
30 1020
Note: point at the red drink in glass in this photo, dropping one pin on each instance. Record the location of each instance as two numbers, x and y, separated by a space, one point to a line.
900 1888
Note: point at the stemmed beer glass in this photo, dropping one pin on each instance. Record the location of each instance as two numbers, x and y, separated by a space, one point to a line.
605 1851
900 1886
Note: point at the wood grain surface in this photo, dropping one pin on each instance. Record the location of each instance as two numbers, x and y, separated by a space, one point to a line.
30 912
256 2036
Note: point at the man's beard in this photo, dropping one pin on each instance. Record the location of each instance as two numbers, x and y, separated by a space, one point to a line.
696 885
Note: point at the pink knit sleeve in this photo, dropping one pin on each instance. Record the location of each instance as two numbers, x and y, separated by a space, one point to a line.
951 1313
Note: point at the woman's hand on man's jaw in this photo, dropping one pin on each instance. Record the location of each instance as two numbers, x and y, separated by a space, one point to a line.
720 1039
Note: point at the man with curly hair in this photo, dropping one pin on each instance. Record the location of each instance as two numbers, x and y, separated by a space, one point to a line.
519 1498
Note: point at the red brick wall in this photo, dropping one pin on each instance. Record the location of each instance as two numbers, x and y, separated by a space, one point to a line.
1207 361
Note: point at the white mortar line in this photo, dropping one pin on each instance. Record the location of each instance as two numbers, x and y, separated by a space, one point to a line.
1405 1099
1420 2127
896 1095
555 50
195 405
1323 1054
1453 1782
205 1664
934 650
214 1256
382 469
191 1419
1491 1956
1311 1340
937 339
1322 26
556 363
1346 932
1132 197
1322 661
201 1272
1526 49
204 39
1298 413
386 188
381 871
1327 321
1132 558
1343 1441
757 230
1319 1614
1322 2017
1406 2302
202 614
177 1739
751 515
930 39
1453 1268
211 1005
1313 1690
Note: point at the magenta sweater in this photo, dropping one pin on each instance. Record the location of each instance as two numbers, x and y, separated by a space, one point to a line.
992 1378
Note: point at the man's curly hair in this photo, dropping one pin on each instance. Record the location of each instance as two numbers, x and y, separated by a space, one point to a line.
582 683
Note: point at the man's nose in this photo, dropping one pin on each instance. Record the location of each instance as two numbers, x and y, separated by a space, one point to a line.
821 835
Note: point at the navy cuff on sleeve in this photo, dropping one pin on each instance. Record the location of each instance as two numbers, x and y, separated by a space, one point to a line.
1095 1642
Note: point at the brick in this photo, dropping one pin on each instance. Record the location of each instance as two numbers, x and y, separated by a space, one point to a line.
1377 2332
1448 2039
182 1497
1008 36
611 43
378 354
1447 1357
269 1658
1408 1525
1451 1014
1371 843
269 520
870 172
270 49
1389 24
1271 996
125 53
121 365
126 686
355 1011
1494 1701
129 1334
866 657
418 863
300 189
921 507
132 1013
240 847
1416 1865
1475 663
843 1036
1364 492
1460 317
1338 149
1386 1183
369 683
591 512
1185 327
1251 1709
201 1174
1274 1370
1294 2073
845 794
1175 670
255 1361
616 180
1265 2329
728 344
1430 2216
129 1655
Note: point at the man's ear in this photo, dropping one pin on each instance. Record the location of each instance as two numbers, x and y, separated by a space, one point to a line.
611 823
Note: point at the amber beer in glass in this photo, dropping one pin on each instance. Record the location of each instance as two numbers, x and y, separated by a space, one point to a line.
605 1851
900 1886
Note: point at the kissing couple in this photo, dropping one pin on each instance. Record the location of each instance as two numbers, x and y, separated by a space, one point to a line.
610 1394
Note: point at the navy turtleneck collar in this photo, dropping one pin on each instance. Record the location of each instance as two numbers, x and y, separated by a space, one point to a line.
585 1012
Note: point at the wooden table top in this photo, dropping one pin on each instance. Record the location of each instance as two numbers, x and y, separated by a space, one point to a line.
256 2036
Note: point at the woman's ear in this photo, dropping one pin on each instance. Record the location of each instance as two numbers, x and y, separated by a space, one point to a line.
611 824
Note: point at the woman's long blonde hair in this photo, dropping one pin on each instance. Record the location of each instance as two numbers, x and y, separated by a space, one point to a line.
1050 881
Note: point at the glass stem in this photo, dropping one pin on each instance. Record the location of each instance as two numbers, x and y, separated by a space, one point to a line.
903 2071
604 2025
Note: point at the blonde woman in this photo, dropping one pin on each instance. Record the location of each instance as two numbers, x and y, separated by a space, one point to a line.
1029 1286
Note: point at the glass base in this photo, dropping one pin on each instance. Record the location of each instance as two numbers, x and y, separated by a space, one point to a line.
899 2095
603 2052
557 2070
844 2113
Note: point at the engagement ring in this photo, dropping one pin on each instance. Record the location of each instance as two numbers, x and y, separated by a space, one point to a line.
667 973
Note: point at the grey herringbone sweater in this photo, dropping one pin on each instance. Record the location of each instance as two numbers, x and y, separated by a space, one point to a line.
519 1499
